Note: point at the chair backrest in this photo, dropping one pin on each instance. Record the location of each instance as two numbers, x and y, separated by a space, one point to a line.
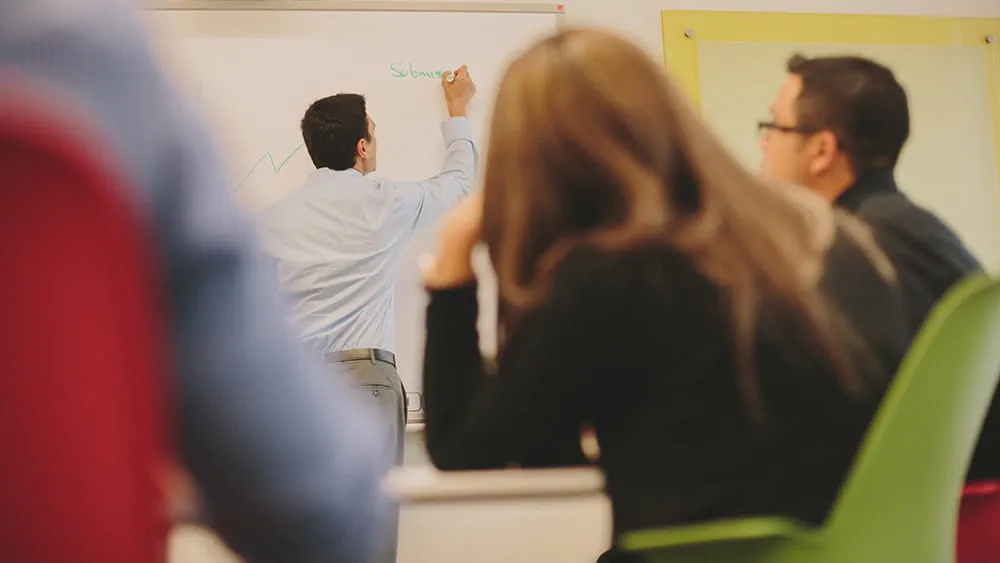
82 429
908 477
978 539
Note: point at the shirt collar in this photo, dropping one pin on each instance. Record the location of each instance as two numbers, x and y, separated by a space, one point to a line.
348 172
329 174
875 182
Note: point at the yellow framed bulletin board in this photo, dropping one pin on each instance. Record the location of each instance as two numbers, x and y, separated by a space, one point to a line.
731 63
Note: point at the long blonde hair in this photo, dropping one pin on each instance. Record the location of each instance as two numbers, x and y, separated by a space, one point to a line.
591 142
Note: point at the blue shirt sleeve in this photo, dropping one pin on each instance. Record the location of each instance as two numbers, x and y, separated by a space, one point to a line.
428 200
282 451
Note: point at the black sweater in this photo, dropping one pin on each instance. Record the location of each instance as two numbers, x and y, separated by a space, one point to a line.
639 345
929 259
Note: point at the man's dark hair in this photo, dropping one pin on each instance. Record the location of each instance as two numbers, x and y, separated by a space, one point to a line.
860 101
331 129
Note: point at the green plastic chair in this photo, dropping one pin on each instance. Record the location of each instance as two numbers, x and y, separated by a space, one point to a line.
900 500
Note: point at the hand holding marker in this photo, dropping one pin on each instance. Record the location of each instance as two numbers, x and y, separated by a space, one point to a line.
458 91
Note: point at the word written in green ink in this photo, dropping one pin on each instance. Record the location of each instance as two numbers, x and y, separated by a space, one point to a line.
406 70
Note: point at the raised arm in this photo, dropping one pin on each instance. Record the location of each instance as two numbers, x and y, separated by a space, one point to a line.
532 411
427 200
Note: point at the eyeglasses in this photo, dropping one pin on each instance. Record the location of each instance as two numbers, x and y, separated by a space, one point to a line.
765 127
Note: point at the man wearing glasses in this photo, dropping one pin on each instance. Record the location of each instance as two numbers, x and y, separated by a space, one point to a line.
838 125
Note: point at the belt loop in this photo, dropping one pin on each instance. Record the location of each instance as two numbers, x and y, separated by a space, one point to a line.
371 355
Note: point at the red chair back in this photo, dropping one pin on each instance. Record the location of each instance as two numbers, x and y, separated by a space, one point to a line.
82 429
979 524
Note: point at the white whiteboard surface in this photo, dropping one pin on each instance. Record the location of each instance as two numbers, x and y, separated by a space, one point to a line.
253 72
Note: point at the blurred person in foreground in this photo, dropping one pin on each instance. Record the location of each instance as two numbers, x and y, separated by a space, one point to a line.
281 453
727 339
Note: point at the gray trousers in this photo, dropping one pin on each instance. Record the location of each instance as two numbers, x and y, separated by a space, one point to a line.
380 381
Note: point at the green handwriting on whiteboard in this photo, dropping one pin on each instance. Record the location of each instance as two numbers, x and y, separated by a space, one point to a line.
275 167
406 70
267 157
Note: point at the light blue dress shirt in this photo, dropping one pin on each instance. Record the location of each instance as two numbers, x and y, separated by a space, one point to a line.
283 453
337 242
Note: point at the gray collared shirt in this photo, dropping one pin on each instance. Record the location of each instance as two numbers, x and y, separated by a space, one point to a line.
337 242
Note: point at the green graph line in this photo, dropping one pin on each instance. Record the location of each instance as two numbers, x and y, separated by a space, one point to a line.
268 157
275 167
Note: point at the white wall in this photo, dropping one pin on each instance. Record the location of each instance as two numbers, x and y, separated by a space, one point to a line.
640 19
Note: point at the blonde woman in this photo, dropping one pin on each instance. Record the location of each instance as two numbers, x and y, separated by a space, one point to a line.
728 340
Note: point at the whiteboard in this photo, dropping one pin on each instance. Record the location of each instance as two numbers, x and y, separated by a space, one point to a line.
252 72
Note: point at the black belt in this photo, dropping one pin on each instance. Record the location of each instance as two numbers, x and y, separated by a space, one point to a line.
373 354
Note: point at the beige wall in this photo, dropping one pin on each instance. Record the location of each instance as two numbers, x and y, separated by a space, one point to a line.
639 19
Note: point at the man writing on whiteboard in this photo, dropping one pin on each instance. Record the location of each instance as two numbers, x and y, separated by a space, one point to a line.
337 242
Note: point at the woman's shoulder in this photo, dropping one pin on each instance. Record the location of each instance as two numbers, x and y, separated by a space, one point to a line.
860 284
637 273
856 264
592 258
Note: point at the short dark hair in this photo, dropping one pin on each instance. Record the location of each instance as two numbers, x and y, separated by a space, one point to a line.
331 129
860 101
